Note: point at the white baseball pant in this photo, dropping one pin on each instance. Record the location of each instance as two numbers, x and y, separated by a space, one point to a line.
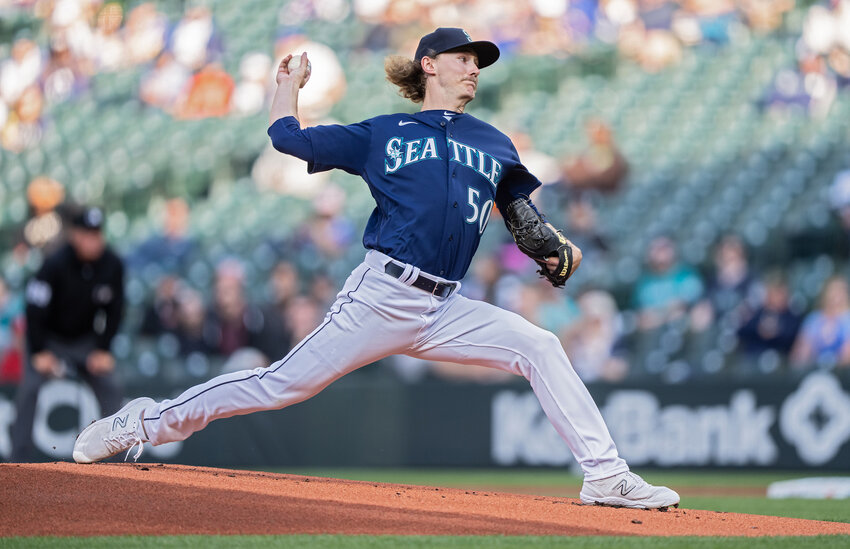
376 315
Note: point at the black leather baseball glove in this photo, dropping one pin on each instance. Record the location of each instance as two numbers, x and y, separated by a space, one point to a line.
539 241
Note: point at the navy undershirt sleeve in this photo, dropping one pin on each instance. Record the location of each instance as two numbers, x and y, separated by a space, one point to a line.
517 182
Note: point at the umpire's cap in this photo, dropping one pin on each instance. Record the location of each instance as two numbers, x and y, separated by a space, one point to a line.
88 217
447 38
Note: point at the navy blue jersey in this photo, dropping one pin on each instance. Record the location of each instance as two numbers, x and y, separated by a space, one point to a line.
434 175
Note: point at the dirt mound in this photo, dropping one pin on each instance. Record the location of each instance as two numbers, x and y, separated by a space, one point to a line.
66 499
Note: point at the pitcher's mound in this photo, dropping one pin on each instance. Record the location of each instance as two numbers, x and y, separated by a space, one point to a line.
65 499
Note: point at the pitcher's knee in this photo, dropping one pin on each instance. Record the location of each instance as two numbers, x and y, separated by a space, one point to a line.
547 351
546 342
537 348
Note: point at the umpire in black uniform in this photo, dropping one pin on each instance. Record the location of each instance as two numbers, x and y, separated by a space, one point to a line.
74 307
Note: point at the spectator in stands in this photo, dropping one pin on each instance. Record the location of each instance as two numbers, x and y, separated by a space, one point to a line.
547 31
548 307
657 14
109 51
194 334
528 301
379 33
765 15
516 270
773 325
704 21
172 248
648 39
208 94
839 63
195 41
825 45
601 166
252 91
592 340
323 290
328 233
584 230
74 306
162 315
11 335
44 229
232 322
144 33
544 166
69 28
731 290
824 339
163 85
24 126
667 289
486 271
302 316
275 339
820 29
809 86
65 76
20 71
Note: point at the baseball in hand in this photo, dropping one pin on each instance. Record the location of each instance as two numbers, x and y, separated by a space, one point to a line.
295 62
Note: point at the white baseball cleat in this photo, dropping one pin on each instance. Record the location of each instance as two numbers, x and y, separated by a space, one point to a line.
113 434
627 490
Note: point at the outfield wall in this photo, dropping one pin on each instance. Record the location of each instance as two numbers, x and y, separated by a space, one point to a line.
363 421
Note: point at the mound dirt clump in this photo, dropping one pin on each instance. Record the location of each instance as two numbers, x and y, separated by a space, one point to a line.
65 499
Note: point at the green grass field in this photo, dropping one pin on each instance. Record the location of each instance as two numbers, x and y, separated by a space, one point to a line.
529 481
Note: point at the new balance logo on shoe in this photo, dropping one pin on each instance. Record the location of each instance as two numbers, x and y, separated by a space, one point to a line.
120 421
624 488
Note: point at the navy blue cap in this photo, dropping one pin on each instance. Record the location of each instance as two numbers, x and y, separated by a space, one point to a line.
446 38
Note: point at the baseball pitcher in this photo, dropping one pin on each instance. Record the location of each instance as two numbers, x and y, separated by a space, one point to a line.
435 176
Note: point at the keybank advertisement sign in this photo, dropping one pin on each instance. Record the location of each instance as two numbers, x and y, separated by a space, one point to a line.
63 408
776 425
789 424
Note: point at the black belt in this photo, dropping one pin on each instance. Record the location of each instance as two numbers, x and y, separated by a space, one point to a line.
439 289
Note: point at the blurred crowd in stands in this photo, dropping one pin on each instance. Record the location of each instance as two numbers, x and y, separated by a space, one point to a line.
80 39
180 62
674 314
677 320
823 61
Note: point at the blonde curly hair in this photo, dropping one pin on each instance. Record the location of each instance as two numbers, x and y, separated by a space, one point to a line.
408 75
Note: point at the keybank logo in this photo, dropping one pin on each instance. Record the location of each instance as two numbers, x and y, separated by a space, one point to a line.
815 418
810 422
